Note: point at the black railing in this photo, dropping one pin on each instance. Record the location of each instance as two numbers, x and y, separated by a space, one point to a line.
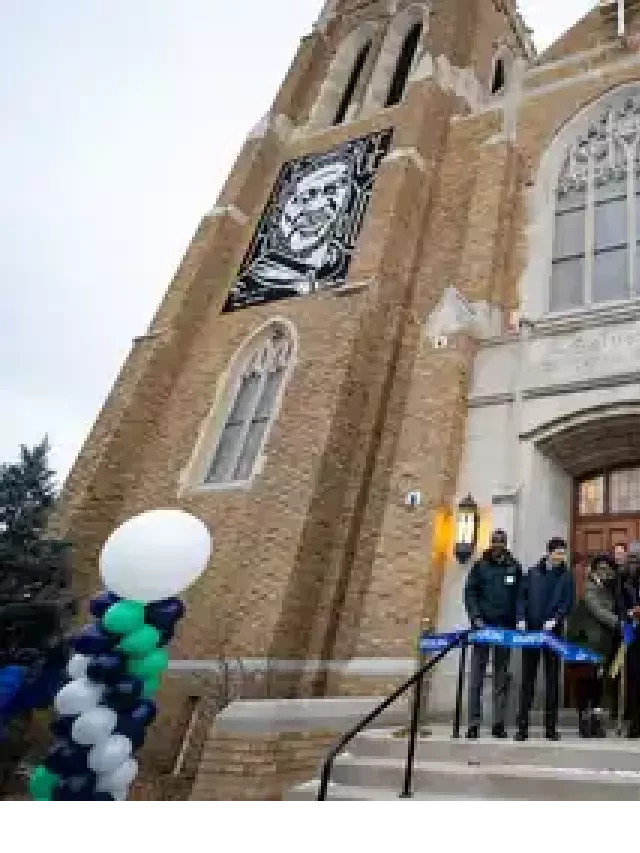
416 679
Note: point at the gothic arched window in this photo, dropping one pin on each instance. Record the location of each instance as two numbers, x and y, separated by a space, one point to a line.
403 66
397 58
350 88
250 408
231 441
341 92
597 207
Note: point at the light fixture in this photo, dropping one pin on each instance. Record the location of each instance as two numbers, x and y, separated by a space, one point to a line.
467 522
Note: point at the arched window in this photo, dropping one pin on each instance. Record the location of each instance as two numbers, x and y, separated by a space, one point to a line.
596 207
231 440
350 88
403 67
339 96
396 58
251 408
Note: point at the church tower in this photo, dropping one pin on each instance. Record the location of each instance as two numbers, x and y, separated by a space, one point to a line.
303 386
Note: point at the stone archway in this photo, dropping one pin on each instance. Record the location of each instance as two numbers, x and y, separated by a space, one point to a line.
592 439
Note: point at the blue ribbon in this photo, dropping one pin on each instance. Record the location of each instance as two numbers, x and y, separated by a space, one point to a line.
628 633
512 640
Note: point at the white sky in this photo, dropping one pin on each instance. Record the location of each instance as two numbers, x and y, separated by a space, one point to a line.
120 121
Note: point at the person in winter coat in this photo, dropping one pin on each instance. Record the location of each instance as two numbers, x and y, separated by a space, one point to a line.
594 624
629 611
490 599
545 600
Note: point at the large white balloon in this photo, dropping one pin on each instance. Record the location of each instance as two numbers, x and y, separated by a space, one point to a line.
119 779
77 666
108 755
77 696
94 726
155 555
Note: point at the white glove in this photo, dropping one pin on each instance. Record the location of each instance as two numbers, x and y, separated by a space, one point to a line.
549 625
522 625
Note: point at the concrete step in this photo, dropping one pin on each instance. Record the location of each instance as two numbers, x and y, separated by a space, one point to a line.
490 781
486 773
346 796
571 752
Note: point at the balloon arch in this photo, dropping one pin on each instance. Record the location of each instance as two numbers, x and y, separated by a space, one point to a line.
103 710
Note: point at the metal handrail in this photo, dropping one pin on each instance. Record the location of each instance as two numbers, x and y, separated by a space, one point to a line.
417 679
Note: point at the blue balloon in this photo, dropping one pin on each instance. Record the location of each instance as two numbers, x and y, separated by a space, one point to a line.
107 669
11 680
38 692
145 713
125 694
77 788
67 759
101 602
92 640
164 615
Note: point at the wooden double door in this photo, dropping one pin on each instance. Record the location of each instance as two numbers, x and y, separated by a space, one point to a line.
593 536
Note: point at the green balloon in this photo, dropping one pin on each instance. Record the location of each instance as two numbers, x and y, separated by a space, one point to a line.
42 783
124 617
151 686
150 665
141 642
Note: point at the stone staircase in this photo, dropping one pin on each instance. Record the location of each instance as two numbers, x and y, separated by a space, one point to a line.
487 769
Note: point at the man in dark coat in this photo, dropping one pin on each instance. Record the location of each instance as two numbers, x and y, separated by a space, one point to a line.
545 599
490 598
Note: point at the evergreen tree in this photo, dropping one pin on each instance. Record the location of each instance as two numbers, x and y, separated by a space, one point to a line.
33 565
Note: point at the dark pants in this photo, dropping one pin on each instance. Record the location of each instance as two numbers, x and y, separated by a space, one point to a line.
530 663
501 683
589 687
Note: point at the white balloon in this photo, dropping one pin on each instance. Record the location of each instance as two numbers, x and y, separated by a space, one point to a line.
77 666
114 782
77 696
109 754
94 726
155 555
120 794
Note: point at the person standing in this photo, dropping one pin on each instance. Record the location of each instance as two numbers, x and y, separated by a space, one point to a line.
595 624
620 555
545 599
490 597
629 611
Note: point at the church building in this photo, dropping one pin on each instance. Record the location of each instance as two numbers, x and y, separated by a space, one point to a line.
420 283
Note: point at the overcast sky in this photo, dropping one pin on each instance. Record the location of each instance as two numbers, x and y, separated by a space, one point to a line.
120 121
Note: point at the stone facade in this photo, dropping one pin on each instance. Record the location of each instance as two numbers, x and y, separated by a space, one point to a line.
320 570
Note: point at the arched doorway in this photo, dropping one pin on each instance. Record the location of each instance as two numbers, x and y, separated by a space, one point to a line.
600 451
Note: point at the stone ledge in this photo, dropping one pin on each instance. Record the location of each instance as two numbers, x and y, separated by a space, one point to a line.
284 716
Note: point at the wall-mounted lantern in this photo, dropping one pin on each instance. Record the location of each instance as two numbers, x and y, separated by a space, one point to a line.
467 523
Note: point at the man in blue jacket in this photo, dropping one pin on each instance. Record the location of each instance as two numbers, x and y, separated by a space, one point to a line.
490 598
545 599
